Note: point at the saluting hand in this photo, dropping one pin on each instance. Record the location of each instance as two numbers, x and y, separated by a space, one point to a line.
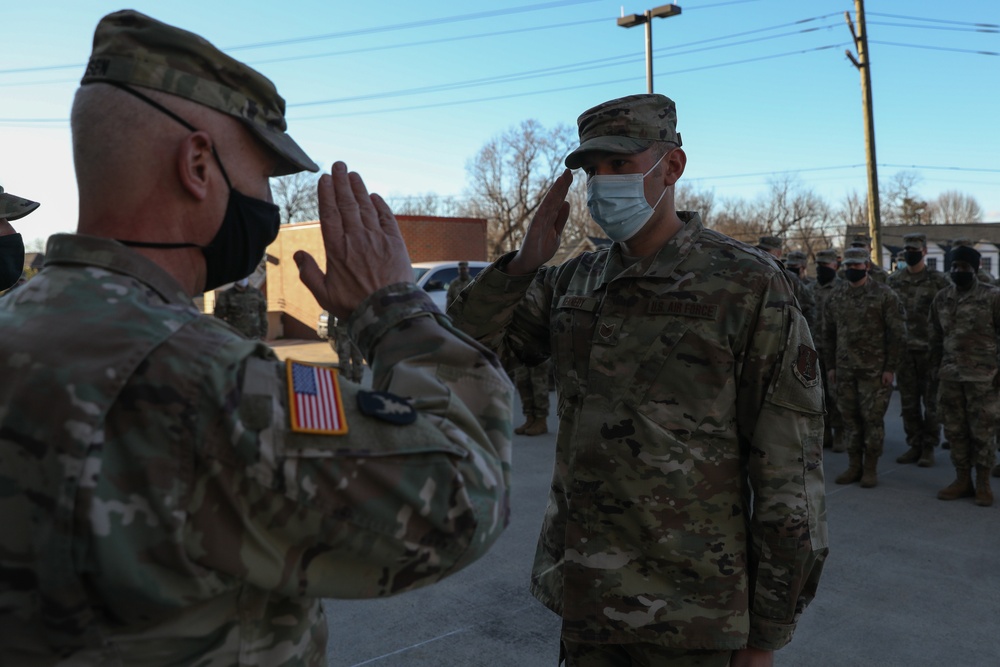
542 238
364 249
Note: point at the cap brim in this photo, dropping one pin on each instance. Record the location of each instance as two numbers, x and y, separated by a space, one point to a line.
606 144
292 159
13 207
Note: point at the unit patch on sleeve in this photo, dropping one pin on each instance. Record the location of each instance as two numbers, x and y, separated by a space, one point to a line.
387 407
806 367
314 399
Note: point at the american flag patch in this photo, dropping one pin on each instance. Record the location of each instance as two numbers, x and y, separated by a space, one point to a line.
314 401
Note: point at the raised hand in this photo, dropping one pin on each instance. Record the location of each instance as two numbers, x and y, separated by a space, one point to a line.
364 249
542 238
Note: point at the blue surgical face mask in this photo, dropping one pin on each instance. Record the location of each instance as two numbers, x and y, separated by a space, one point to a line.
617 202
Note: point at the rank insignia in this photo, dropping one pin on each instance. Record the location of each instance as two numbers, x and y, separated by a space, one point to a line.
387 407
314 399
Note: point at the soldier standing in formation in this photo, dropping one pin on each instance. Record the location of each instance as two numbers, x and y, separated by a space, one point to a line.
874 270
533 388
964 328
458 284
688 383
11 243
864 337
917 285
350 361
795 264
172 492
982 275
825 284
244 307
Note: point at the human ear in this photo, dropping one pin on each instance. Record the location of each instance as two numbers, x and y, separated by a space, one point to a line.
675 160
193 158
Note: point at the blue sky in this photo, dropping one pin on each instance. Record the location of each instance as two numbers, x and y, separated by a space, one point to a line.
407 92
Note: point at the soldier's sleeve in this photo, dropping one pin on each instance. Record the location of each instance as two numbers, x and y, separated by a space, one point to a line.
829 333
894 315
780 412
935 335
508 314
417 487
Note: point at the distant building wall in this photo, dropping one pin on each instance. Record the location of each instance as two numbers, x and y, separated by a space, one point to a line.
427 239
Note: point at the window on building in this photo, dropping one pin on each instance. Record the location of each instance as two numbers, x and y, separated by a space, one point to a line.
986 264
932 263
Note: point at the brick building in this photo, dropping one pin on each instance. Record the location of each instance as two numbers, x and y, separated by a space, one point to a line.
292 310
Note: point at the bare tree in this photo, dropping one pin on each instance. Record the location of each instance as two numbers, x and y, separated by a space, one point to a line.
954 208
789 210
428 203
686 198
510 175
296 196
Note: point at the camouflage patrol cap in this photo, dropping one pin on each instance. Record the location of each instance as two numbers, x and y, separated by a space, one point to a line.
13 207
770 243
134 49
856 256
625 125
828 256
965 241
795 259
859 240
915 240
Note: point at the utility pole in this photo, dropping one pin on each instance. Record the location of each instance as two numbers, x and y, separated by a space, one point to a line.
863 63
646 18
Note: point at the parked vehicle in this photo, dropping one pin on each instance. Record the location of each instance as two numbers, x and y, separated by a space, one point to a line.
433 277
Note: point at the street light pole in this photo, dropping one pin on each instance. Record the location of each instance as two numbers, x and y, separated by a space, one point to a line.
646 18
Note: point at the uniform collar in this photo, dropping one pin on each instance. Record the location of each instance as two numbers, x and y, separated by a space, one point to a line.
78 249
663 262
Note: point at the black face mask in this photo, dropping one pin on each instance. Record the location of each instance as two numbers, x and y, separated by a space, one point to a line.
914 257
854 275
825 275
11 259
248 226
963 279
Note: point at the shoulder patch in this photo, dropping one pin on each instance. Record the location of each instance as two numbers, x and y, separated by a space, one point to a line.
806 367
387 407
315 404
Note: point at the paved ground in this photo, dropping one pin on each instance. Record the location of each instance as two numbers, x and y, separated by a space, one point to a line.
911 581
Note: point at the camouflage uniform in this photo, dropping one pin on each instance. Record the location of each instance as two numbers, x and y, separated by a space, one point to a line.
533 387
455 287
874 270
159 502
833 425
158 507
964 327
350 361
915 376
807 303
245 309
12 208
864 336
686 381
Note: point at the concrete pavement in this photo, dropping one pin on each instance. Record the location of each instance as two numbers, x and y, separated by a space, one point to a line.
911 580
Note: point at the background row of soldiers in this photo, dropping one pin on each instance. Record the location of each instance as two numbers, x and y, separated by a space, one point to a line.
934 337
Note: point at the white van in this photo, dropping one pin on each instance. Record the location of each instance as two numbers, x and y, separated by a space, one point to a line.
434 278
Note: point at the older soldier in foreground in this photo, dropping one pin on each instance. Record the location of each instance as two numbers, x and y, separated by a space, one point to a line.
964 333
172 493
686 518
916 285
11 243
864 334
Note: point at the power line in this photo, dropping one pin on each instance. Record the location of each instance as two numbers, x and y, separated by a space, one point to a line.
350 33
591 84
934 27
935 20
935 48
573 68
413 24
